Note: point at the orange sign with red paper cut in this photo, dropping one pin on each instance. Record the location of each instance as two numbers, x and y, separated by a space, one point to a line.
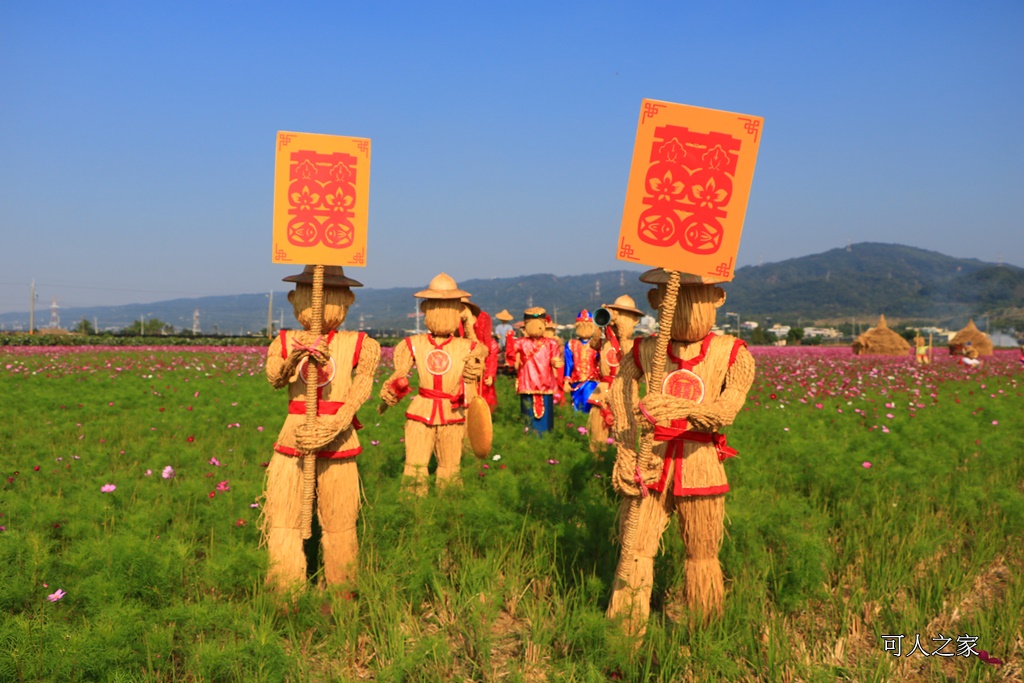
321 199
688 189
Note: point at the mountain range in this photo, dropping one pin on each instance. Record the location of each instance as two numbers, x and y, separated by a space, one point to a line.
861 280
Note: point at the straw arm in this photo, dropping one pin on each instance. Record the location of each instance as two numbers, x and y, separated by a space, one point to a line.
474 366
622 398
403 366
715 415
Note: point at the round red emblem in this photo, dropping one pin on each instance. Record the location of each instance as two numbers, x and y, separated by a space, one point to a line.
684 384
438 362
324 373
612 357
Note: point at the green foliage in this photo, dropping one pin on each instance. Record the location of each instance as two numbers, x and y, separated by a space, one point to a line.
503 578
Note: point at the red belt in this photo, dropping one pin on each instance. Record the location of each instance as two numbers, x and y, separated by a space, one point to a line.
322 408
675 451
437 397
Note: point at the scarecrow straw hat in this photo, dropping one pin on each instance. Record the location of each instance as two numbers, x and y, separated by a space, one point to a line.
441 287
474 309
504 316
659 276
334 276
535 312
625 304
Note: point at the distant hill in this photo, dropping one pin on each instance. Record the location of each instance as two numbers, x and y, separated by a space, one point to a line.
872 278
863 280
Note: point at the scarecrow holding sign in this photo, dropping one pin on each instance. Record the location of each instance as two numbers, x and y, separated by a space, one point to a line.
347 362
688 187
705 383
321 187
538 363
448 368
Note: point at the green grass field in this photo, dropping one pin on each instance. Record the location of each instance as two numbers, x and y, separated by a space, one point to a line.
870 498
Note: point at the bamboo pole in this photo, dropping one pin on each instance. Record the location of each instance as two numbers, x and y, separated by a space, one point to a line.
312 379
666 315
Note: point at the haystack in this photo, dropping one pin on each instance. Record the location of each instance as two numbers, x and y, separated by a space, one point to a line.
978 340
880 341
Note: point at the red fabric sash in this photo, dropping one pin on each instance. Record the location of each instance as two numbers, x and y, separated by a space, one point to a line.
437 410
322 408
675 452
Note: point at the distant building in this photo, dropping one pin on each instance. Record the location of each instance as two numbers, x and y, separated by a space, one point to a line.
748 325
777 330
823 332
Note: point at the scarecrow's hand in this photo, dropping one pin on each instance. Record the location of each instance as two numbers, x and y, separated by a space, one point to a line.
309 344
312 438
488 381
663 408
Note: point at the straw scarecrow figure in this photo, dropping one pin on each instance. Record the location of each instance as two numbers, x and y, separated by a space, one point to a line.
347 363
617 342
503 328
581 371
678 467
538 363
448 367
921 351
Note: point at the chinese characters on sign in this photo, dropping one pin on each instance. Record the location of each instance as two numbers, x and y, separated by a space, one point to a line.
688 189
321 188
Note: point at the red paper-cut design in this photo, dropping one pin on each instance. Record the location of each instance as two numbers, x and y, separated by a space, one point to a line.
324 373
751 126
626 250
322 199
283 139
688 187
280 254
363 146
651 110
358 258
723 269
684 384
438 362
612 356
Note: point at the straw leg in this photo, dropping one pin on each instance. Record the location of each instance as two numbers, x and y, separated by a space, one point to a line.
282 522
419 444
338 508
702 523
631 597
449 454
598 430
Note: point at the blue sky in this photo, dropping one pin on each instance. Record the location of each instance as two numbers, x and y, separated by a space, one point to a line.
137 160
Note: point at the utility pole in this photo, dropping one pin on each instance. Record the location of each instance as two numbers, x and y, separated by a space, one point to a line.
142 325
270 315
32 309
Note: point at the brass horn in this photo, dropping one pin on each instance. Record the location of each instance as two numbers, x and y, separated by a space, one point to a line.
602 317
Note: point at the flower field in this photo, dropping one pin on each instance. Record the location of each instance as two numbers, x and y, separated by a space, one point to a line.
871 498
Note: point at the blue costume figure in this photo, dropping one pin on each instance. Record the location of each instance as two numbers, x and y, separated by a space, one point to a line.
581 369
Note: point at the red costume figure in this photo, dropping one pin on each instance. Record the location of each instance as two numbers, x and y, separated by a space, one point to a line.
538 361
484 336
581 371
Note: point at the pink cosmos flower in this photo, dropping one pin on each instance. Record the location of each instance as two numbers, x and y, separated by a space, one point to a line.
149 473
223 486
995 422
54 597
108 488
866 465
168 472
609 441
214 461
581 430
